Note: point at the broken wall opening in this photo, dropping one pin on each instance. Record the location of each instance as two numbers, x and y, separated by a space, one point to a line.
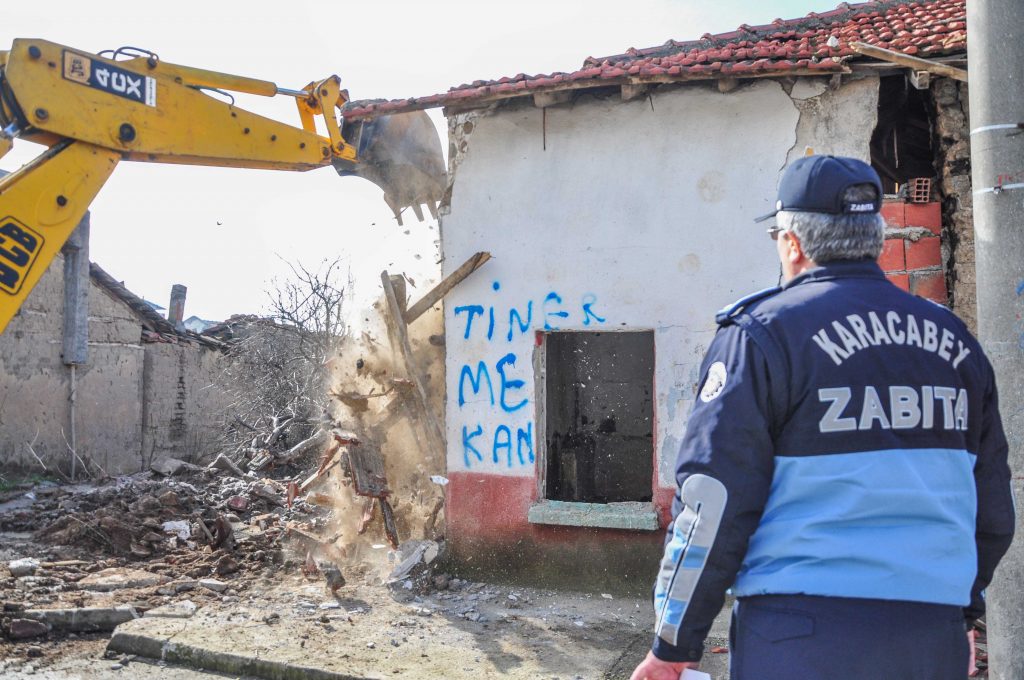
901 145
599 416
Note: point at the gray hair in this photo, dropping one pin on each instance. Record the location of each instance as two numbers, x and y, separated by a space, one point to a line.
850 236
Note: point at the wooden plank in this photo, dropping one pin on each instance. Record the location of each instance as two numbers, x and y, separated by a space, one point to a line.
366 467
312 479
484 101
544 99
726 85
396 324
914 63
442 289
629 91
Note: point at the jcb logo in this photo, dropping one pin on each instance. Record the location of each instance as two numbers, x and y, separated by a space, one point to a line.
19 247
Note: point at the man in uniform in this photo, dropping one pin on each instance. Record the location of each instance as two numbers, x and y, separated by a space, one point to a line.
844 467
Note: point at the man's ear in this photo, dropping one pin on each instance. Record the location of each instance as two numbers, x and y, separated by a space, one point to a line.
794 249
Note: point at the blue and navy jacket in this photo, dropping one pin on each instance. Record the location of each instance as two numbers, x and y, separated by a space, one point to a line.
845 441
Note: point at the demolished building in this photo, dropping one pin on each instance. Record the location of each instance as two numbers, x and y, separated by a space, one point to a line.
617 202
93 380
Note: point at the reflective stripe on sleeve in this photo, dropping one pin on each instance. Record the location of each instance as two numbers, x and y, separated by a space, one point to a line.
693 534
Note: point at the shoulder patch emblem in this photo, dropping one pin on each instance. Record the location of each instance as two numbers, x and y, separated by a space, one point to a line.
714 383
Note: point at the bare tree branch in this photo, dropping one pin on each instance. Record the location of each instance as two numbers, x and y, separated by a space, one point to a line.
277 369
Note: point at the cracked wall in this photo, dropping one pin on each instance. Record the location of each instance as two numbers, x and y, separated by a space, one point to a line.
609 215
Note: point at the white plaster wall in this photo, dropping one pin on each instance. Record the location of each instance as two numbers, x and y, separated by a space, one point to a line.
643 210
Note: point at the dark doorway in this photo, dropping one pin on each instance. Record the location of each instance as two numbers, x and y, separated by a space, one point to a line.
901 146
599 416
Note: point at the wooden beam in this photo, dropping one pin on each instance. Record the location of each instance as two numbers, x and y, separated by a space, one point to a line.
544 99
726 85
400 334
631 91
442 289
595 83
914 63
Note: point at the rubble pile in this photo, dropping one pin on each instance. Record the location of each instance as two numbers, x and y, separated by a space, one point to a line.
141 517
138 540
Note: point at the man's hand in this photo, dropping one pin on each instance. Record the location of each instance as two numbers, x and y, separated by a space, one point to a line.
653 668
972 665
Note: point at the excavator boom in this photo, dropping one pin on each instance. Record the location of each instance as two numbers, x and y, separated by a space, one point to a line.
93 111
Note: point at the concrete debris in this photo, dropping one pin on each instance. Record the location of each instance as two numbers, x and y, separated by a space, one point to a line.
180 528
213 584
82 619
121 578
414 571
23 567
332 576
22 629
238 503
222 462
175 610
172 466
226 565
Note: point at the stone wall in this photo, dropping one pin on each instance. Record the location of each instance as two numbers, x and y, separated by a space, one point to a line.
35 385
180 402
113 399
953 158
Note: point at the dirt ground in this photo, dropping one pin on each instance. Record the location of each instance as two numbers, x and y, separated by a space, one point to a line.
259 591
240 580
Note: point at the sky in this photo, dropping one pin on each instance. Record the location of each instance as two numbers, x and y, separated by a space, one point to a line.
227 233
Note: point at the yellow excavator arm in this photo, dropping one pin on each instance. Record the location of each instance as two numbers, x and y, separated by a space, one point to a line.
93 111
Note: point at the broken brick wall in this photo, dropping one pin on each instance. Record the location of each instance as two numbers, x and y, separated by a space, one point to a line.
929 247
912 254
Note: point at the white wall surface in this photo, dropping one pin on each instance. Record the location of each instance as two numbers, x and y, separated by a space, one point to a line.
643 211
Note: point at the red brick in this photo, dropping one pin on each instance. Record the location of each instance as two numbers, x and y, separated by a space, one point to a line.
927 215
893 257
894 213
931 285
901 280
925 252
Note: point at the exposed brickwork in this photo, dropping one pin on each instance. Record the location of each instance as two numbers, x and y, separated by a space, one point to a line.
901 280
929 284
912 254
924 253
893 258
926 215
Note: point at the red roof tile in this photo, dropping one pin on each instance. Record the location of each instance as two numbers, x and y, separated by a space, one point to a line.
923 28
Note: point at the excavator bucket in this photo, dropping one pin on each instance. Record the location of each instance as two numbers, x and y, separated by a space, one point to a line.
401 154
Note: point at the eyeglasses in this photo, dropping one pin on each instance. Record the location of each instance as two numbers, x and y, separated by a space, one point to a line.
773 232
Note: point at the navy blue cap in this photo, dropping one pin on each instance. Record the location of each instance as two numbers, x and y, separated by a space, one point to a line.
817 184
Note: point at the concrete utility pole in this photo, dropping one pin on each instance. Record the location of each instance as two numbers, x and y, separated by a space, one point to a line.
995 50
